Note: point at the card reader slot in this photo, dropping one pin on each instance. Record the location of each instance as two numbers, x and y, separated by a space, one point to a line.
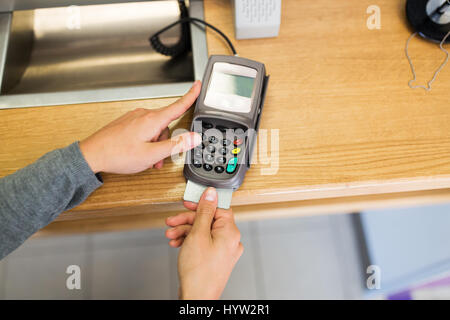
260 109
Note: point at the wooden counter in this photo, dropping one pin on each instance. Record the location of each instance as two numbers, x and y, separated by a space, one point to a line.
353 135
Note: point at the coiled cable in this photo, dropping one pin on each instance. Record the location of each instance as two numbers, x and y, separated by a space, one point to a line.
184 44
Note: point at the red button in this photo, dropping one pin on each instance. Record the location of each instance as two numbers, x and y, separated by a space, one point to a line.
238 142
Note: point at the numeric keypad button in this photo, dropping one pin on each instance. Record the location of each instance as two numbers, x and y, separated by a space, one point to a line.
197 163
198 153
212 139
221 160
211 149
222 151
219 169
209 158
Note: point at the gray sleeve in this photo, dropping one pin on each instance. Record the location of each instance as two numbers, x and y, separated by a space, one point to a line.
35 195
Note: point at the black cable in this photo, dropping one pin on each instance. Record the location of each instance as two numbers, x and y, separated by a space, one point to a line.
176 49
183 44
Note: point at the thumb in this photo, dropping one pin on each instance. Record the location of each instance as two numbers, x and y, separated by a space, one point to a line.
181 143
205 212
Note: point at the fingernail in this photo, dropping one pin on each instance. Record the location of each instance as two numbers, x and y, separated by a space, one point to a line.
194 84
211 194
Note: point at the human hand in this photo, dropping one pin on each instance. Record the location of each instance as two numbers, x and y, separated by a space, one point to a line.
210 247
139 139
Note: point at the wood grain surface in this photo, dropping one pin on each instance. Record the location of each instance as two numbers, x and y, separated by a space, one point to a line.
348 123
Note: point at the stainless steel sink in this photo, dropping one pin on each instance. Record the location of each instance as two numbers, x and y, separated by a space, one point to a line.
94 53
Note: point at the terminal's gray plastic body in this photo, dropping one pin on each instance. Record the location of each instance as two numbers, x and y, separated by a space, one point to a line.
248 120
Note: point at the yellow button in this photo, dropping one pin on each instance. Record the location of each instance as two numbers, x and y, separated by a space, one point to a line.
236 150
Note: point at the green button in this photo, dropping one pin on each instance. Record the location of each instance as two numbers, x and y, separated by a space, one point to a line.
232 164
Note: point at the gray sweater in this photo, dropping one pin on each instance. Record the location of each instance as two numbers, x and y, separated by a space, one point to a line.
35 195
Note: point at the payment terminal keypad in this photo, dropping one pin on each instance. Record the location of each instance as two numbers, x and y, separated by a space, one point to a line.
222 149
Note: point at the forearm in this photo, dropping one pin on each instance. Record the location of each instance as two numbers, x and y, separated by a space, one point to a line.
35 195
